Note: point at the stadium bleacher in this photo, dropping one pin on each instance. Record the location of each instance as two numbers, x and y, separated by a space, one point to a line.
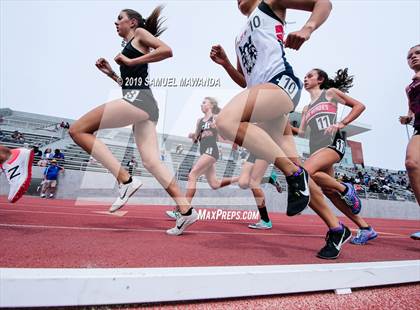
42 131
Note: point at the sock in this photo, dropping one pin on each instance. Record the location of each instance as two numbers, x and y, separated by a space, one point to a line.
129 181
297 173
189 212
264 214
366 228
337 229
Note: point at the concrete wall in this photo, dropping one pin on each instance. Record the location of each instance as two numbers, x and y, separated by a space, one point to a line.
100 188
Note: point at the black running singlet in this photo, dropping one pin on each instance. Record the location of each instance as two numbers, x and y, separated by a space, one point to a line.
208 138
135 86
134 77
320 115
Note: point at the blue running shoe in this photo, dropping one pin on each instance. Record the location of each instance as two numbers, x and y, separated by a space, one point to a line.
351 199
364 235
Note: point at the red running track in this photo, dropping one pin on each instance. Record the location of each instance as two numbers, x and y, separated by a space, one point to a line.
58 233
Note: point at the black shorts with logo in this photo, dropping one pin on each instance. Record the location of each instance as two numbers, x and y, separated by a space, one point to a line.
144 100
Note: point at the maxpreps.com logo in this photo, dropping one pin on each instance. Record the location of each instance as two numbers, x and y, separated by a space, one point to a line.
219 214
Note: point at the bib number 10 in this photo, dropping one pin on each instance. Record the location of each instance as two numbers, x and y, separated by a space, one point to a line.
288 85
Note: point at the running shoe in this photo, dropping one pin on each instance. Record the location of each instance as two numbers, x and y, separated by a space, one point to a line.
298 193
415 236
351 199
334 243
363 236
182 222
274 180
125 191
18 170
172 214
261 225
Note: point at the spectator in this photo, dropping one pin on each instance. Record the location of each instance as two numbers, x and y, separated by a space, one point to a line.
47 154
162 154
49 184
17 137
58 155
179 149
132 165
37 151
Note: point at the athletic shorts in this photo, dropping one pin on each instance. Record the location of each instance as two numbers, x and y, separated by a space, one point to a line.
144 100
416 131
211 150
290 84
338 145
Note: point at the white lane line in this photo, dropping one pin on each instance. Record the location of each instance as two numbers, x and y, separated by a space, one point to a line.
33 226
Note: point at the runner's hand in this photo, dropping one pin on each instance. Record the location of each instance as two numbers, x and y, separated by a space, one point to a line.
218 55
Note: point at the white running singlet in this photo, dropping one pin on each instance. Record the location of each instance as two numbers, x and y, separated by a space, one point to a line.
259 47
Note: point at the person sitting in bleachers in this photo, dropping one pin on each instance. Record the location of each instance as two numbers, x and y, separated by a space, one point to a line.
18 137
58 156
179 149
48 154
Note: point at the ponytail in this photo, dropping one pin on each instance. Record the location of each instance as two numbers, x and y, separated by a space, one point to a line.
342 81
153 23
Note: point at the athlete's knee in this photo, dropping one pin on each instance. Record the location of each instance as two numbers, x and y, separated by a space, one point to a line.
76 130
223 124
193 175
73 131
316 176
151 164
243 183
214 185
310 169
412 164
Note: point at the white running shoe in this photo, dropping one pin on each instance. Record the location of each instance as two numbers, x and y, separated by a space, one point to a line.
18 170
261 225
182 222
172 214
125 191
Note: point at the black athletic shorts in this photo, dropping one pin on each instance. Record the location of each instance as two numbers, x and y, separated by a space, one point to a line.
209 149
144 100
338 145
416 131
